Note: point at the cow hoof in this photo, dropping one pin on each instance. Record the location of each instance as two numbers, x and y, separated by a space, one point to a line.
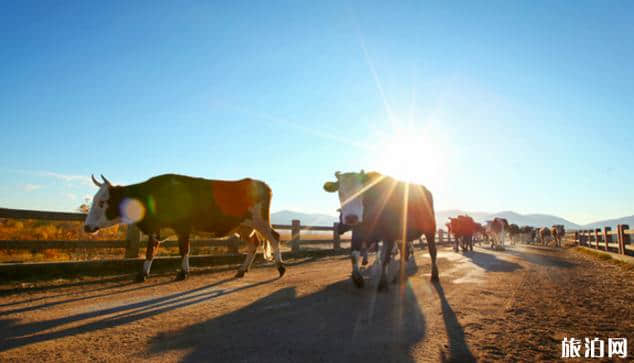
364 262
141 277
239 274
182 276
281 269
383 285
357 279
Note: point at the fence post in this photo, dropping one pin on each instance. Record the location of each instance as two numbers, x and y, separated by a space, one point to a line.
577 241
295 235
133 238
336 241
597 238
619 238
626 237
606 237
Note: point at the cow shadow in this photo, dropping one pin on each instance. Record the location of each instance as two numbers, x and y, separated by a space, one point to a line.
541 259
124 281
490 262
458 349
76 299
337 324
13 334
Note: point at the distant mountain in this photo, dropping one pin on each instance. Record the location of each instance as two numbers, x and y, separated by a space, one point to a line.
610 223
535 220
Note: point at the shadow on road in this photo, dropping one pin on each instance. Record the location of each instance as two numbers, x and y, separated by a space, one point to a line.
337 324
67 301
15 335
458 348
65 285
490 262
541 259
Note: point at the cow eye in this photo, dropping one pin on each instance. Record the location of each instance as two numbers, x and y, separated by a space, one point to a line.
101 203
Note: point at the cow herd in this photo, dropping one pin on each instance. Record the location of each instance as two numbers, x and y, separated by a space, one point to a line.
374 207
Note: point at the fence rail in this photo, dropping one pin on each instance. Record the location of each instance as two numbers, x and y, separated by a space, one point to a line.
133 241
618 241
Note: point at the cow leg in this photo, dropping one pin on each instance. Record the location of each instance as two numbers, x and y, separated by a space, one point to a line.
431 244
356 247
273 237
252 245
150 251
404 251
386 255
183 245
364 253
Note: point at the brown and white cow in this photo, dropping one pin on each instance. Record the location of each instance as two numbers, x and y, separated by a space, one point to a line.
558 233
186 204
545 235
496 229
384 209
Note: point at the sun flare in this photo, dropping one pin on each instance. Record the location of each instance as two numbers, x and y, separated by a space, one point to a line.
411 154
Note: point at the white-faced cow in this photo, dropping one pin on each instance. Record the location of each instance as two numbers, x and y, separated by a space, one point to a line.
185 204
496 229
558 233
384 209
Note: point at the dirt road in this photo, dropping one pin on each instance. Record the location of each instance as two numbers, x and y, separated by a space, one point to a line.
514 305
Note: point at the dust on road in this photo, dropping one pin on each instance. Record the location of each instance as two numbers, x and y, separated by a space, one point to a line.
491 306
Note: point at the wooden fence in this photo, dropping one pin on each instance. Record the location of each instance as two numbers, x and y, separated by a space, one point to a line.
605 239
133 241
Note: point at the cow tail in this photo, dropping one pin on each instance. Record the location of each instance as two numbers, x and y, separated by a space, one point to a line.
267 251
265 196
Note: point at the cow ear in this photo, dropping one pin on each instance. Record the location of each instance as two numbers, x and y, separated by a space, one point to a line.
331 187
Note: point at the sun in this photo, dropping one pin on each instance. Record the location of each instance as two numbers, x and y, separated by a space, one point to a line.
412 154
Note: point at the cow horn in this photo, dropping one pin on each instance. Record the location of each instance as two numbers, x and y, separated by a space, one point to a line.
106 180
95 181
337 173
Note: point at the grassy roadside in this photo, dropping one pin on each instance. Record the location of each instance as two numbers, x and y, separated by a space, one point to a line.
627 264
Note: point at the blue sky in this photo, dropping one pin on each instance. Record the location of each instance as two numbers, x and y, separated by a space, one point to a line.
493 105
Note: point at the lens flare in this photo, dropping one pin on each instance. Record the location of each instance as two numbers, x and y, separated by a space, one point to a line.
132 210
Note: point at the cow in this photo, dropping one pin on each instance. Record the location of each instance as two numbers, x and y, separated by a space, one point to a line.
382 208
544 235
496 229
528 234
186 204
514 231
368 246
463 228
558 233
481 234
